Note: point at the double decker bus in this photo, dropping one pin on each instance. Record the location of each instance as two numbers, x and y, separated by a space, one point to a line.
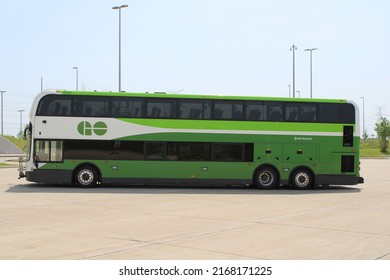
93 138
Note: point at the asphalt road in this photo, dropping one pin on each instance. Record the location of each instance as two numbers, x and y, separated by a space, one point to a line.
56 222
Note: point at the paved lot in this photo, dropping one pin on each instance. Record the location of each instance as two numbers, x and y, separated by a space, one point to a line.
56 222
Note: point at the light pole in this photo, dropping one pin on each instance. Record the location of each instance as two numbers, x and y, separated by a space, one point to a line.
77 77
299 93
120 9
311 73
289 90
2 124
293 48
21 118
364 129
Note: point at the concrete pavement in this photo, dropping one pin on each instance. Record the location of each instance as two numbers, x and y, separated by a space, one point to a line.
56 222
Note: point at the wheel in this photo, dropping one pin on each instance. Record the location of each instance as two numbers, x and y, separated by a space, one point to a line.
266 178
302 179
86 177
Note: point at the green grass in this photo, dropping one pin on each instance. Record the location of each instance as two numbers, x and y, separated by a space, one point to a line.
370 148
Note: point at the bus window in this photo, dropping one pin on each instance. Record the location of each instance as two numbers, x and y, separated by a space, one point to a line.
54 105
155 150
274 111
48 151
228 152
301 112
161 108
195 109
255 111
336 113
92 106
194 151
122 107
228 110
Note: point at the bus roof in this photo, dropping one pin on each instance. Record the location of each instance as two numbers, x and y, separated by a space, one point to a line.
198 96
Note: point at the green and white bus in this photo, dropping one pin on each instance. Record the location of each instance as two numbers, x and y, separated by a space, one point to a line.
92 138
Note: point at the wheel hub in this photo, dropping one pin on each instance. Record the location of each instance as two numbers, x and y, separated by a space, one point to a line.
85 177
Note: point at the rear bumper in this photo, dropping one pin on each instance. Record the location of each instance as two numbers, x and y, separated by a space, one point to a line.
338 180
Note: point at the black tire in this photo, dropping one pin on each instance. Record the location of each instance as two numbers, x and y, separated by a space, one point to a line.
86 177
302 179
266 178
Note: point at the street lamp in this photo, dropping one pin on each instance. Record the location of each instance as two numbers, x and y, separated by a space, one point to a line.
21 118
2 124
77 77
293 48
311 73
120 9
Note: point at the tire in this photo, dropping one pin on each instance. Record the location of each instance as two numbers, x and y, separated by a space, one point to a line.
86 177
302 179
265 178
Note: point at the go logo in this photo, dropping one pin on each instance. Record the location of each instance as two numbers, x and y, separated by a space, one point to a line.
85 128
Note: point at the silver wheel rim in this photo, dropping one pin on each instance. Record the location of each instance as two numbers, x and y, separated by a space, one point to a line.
85 177
266 178
302 179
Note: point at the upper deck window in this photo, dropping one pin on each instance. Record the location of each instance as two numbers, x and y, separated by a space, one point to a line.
301 112
161 108
92 106
195 109
54 105
228 110
337 113
122 107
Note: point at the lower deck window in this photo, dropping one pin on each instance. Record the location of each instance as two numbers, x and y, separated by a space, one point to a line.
148 150
48 150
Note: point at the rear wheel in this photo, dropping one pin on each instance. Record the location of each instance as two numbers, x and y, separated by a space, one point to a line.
266 177
302 179
86 177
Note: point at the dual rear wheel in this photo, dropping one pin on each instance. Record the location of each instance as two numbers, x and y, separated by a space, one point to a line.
266 177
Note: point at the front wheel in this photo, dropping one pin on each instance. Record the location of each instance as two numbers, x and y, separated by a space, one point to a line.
302 179
86 177
265 177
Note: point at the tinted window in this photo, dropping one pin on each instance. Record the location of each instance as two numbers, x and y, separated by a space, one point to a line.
255 111
86 149
301 112
161 108
155 150
194 151
127 150
228 110
337 113
346 113
228 152
122 107
92 106
195 109
55 105
274 111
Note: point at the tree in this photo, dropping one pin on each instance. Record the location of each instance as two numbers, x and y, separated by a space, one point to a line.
382 128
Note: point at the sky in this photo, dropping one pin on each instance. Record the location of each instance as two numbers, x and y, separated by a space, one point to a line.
221 47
